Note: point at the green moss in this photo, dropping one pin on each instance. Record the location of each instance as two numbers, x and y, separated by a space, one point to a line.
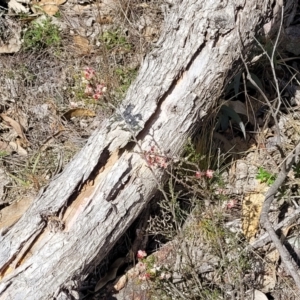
125 77
114 39
41 35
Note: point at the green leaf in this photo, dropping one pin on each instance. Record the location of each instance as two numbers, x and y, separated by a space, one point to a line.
236 83
256 80
224 122
265 176
225 110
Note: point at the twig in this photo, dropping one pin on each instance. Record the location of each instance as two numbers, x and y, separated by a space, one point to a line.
264 96
265 238
286 166
271 59
176 290
264 219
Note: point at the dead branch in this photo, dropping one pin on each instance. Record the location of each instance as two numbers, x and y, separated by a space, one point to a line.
264 219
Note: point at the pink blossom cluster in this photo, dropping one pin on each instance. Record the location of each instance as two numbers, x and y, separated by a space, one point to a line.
208 173
92 88
150 273
89 73
141 254
145 276
155 159
230 204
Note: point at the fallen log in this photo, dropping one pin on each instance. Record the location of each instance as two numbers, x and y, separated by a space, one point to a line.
81 214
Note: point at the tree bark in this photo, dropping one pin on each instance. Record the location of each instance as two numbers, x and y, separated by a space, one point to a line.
80 215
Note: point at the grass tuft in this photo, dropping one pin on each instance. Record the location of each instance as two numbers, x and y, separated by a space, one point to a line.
41 35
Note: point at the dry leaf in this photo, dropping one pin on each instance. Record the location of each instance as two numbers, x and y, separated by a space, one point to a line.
81 9
240 108
269 275
4 147
17 7
15 146
143 5
78 112
12 213
258 295
83 44
251 208
14 45
12 146
16 126
112 273
151 34
121 283
57 2
104 20
50 7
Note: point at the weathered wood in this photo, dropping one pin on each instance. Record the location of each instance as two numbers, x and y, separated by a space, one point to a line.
106 186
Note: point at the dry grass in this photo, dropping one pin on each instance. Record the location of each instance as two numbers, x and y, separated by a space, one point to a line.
44 92
43 83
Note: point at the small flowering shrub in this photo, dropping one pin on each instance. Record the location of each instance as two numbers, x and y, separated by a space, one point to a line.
41 35
155 159
93 88
114 39
141 254
148 269
232 203
207 174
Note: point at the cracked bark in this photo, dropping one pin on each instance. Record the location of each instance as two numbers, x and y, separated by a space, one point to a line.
177 84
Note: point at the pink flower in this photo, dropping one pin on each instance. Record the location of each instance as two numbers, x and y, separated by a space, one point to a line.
154 159
209 173
97 96
141 267
231 203
141 254
198 174
164 164
89 73
150 159
88 90
100 88
164 275
145 276
73 104
221 191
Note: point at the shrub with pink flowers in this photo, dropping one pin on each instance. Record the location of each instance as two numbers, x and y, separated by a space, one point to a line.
148 269
141 254
89 73
208 174
155 159
93 88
